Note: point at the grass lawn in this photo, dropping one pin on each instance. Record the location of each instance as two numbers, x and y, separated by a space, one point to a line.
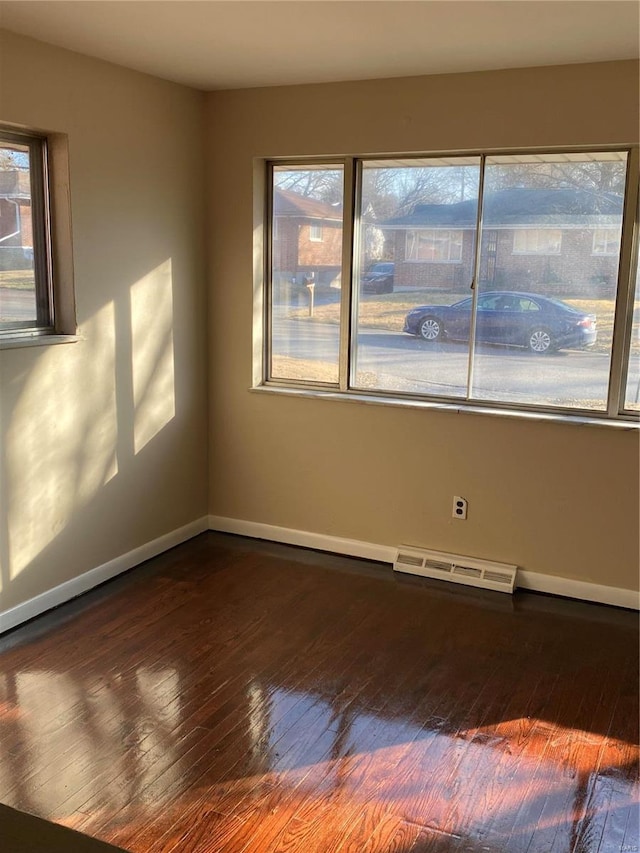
17 279
387 312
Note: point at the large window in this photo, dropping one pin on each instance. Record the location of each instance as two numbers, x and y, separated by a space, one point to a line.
492 280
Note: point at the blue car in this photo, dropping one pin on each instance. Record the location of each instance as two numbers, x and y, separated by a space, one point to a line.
539 323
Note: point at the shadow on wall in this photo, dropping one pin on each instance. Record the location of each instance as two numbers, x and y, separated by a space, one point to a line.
74 437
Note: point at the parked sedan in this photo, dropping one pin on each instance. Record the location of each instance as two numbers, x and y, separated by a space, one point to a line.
378 278
540 323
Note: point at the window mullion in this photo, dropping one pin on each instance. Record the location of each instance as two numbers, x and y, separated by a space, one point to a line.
625 293
474 277
40 227
267 271
349 233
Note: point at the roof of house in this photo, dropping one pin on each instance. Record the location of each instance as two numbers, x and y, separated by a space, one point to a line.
518 206
288 203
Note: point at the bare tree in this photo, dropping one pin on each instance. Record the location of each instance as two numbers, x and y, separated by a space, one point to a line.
597 177
319 184
395 191
8 160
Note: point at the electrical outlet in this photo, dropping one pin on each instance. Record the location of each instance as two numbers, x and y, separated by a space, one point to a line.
459 507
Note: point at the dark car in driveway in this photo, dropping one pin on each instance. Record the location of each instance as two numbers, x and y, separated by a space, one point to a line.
540 323
378 278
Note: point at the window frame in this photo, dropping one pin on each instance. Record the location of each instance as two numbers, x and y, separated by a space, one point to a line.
316 234
52 240
630 262
614 415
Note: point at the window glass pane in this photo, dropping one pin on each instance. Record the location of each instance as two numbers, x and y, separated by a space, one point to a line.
632 396
545 336
537 241
606 241
435 245
17 278
306 264
415 260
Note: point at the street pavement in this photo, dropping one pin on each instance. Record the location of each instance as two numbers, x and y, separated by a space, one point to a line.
17 305
394 361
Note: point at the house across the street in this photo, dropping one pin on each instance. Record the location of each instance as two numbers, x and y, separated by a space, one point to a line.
16 241
307 240
567 239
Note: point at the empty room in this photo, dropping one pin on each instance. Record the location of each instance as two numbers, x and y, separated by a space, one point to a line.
319 405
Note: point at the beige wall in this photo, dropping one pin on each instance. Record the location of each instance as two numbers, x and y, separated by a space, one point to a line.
554 498
104 440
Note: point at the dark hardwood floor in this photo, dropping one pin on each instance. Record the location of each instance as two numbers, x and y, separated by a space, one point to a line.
247 697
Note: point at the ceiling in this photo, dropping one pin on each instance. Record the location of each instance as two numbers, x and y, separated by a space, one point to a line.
210 45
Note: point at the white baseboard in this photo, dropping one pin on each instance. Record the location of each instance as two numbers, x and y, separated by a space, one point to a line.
86 581
534 581
583 590
349 547
319 541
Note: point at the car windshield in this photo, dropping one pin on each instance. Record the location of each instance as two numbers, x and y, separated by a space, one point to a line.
382 268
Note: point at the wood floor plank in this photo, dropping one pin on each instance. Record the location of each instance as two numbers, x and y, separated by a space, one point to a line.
223 766
254 698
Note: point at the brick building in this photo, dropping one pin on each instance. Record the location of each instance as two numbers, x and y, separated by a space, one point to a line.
563 241
307 240
16 237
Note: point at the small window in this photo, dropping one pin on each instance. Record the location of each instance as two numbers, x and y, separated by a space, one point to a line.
434 246
27 294
606 241
315 233
537 241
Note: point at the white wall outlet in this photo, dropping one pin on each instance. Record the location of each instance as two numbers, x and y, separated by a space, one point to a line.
459 507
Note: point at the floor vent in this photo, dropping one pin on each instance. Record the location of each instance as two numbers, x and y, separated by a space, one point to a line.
454 567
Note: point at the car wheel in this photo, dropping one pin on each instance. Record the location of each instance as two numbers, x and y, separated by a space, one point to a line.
540 340
388 288
430 329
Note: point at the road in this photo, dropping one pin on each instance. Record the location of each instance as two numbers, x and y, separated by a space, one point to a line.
397 362
17 304
393 361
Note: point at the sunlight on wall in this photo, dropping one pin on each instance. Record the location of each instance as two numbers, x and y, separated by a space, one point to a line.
61 440
152 354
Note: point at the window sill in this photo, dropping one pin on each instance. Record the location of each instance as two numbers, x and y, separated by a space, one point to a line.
18 341
452 408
